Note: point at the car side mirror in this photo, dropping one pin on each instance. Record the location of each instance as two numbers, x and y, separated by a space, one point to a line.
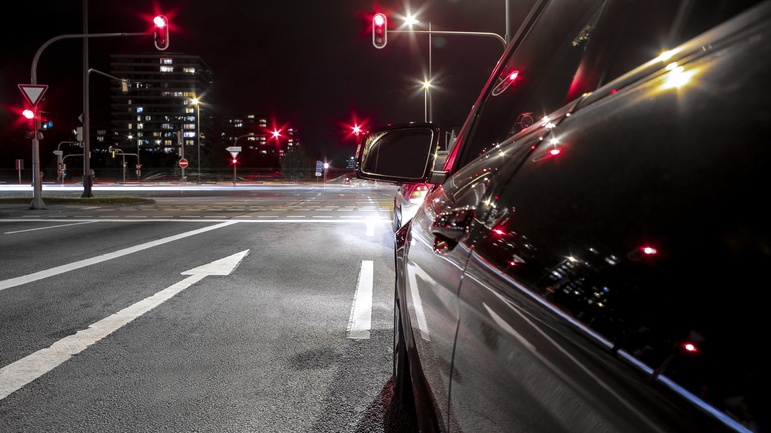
400 154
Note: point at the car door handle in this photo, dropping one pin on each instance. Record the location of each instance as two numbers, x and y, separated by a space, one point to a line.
450 226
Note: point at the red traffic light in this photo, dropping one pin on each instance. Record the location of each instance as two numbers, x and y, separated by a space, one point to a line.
379 30
29 115
161 32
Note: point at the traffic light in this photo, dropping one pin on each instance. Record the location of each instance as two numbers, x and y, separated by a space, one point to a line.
30 116
45 124
161 32
379 30
181 144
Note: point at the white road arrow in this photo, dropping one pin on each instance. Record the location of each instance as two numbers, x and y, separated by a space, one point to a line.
14 376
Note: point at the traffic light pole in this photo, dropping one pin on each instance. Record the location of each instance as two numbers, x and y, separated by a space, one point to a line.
450 32
37 200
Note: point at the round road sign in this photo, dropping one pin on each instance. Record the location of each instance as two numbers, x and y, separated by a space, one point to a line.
183 163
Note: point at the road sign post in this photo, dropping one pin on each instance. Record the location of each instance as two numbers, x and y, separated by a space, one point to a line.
234 151
33 94
183 166
19 167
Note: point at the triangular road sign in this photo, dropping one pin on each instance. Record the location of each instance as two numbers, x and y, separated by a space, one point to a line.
33 93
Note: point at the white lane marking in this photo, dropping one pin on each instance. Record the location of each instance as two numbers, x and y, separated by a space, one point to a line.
24 279
417 302
370 228
508 328
371 221
361 313
49 227
14 376
289 219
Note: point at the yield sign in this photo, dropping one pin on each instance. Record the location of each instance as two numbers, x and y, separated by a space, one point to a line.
33 93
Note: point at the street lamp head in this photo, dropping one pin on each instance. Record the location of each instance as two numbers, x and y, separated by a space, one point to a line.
410 20
195 101
426 84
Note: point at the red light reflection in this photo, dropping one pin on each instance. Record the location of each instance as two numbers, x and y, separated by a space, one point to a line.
690 347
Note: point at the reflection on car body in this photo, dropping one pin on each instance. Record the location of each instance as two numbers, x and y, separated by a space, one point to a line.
409 196
601 268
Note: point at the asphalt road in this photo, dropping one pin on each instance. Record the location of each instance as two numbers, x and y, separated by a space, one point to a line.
260 310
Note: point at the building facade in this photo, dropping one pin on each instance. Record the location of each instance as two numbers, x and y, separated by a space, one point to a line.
163 115
263 144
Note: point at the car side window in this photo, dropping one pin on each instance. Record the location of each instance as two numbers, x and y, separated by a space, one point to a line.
540 71
573 49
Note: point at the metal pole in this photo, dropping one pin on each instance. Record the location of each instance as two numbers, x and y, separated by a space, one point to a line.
86 121
198 136
430 78
37 179
37 201
451 32
507 36
139 164
425 103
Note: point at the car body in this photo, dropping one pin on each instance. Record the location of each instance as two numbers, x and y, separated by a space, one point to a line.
601 269
409 196
407 200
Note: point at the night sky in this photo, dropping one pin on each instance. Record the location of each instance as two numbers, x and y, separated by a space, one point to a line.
309 64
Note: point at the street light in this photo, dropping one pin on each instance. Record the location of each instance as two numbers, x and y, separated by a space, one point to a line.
410 20
427 105
197 103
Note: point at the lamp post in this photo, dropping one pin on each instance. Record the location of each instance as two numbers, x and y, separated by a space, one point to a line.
197 103
427 106
139 164
410 20
426 87
430 77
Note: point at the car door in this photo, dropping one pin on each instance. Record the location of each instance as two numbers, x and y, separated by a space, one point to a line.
431 262
615 277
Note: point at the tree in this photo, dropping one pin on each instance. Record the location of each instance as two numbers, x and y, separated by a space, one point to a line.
296 164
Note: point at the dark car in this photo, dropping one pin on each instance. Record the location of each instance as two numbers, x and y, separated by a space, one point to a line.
602 269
